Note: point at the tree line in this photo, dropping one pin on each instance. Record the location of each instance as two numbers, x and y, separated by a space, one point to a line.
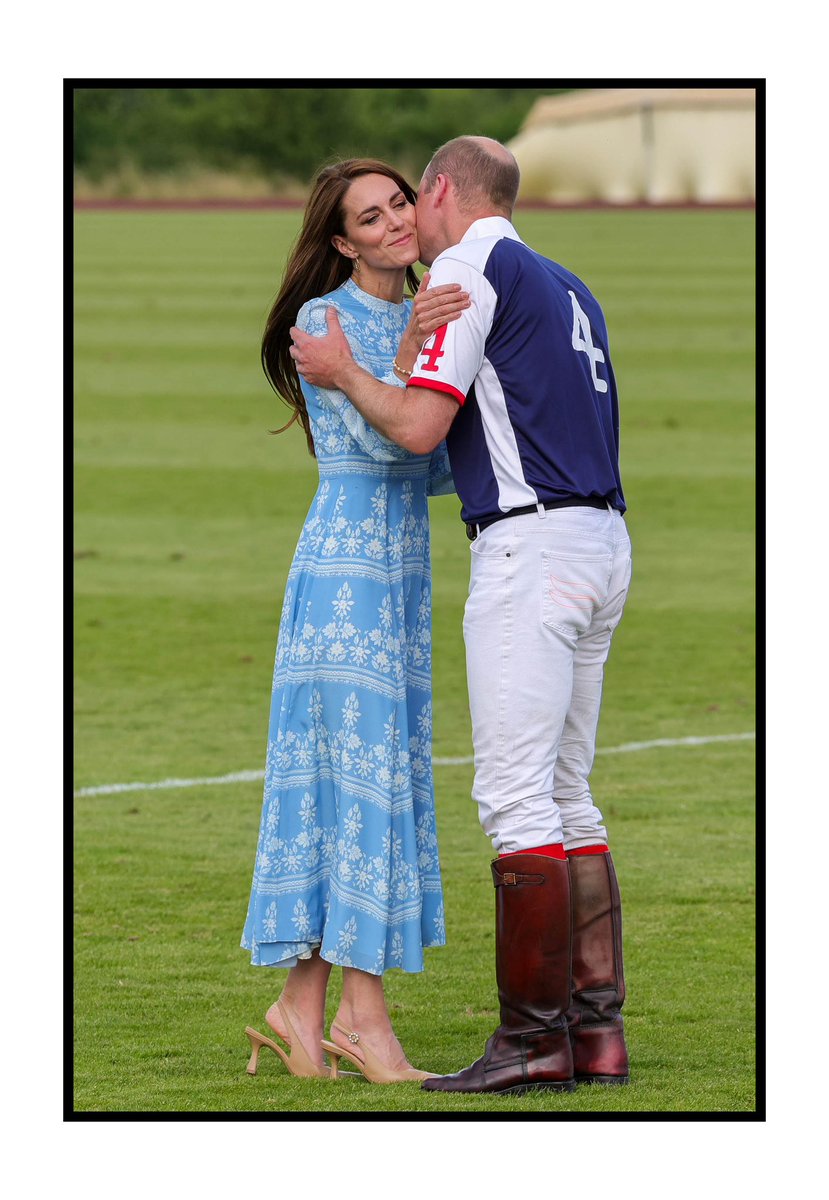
282 134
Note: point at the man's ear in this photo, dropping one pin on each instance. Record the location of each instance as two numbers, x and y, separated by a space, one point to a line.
440 190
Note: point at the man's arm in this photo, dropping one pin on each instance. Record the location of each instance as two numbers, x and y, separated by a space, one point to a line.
416 418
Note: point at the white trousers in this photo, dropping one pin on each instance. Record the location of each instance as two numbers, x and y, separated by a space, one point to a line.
546 591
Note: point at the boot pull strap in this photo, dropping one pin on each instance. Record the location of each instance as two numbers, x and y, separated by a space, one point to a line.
512 879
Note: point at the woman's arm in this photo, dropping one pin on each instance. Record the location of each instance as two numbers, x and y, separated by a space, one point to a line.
417 420
440 481
432 308
336 413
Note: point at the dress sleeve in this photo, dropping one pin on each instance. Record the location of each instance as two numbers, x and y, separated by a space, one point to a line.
311 319
440 481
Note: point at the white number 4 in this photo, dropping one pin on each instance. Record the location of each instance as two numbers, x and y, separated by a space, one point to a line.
583 340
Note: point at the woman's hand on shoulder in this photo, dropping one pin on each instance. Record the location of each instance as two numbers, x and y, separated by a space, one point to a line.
432 308
436 306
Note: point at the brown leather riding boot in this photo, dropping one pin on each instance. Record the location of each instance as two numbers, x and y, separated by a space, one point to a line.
531 1047
596 1027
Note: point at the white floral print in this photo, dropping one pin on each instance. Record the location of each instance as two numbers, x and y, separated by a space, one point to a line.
347 858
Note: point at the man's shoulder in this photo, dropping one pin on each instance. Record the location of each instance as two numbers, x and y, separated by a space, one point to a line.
475 253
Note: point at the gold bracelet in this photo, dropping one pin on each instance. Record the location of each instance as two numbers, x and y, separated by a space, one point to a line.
398 367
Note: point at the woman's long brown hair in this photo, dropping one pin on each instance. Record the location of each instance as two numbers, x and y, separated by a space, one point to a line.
315 268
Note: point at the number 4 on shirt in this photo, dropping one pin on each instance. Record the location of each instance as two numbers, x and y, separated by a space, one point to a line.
435 351
583 341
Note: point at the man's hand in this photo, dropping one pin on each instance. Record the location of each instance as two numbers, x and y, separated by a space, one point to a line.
416 418
323 361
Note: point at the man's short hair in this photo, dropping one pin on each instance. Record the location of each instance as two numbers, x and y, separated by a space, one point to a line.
482 179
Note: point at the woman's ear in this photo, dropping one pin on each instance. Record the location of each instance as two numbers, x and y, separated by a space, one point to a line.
339 243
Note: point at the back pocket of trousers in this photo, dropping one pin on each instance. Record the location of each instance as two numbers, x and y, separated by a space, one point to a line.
572 590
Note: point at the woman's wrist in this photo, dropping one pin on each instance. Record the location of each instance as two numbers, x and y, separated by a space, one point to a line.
406 356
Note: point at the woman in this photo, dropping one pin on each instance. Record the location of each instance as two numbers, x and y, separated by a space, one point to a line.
347 866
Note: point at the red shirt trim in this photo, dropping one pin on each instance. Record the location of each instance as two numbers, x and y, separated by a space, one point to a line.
553 850
437 387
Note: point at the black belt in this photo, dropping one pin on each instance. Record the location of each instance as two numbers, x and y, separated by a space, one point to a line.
473 528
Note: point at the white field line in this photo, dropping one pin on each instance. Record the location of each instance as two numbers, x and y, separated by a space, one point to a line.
110 789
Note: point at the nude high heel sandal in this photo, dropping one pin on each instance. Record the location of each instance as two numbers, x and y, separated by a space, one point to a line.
297 1062
369 1065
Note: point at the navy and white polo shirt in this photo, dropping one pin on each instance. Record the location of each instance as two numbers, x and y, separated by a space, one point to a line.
530 366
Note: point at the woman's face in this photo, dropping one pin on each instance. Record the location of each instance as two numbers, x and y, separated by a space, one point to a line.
379 224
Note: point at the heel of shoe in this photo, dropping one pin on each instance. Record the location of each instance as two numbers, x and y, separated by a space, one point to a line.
334 1055
255 1046
599 1051
372 1067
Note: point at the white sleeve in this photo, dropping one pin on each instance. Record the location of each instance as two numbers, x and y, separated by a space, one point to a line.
454 354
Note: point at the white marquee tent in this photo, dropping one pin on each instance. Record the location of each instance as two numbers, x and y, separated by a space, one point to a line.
639 145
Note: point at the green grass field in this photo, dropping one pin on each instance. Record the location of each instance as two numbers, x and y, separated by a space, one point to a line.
187 514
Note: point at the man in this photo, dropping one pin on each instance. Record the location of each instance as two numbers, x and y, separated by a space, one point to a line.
522 388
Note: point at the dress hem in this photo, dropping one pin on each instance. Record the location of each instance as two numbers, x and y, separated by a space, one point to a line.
291 960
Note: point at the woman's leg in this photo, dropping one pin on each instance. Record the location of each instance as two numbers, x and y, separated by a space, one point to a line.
363 1010
303 998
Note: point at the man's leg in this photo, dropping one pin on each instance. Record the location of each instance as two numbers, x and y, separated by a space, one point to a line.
596 1027
519 675
598 977
520 651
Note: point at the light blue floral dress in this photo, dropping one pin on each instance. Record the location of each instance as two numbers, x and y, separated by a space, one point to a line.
347 858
